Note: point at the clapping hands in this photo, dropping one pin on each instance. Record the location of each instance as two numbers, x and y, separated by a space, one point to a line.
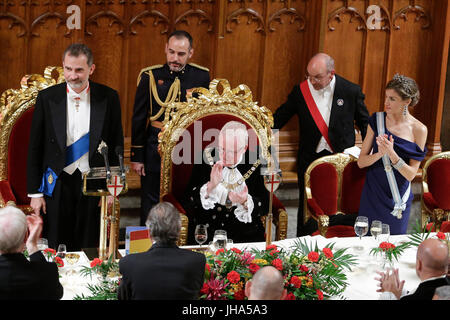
385 144
389 281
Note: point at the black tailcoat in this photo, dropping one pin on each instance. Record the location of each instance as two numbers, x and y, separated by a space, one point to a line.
47 148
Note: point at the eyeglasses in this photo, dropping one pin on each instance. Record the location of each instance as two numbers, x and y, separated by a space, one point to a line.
317 78
230 152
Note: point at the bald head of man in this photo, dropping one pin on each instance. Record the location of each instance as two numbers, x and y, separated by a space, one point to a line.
266 284
432 259
320 70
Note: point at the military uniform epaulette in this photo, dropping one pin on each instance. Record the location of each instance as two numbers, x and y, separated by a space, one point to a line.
156 66
198 66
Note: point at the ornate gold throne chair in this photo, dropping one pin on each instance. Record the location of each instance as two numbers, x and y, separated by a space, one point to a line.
436 195
211 110
16 113
333 186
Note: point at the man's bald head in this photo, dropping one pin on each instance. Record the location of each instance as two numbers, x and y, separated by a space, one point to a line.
320 70
323 61
266 284
432 258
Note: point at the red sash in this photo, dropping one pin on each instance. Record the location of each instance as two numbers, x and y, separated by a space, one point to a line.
318 119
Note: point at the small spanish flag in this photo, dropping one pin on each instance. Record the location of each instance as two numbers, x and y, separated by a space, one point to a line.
140 241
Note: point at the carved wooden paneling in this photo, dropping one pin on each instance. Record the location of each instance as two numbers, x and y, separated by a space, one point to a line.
265 44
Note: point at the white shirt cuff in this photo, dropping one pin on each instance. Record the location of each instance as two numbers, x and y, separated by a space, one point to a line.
242 214
35 195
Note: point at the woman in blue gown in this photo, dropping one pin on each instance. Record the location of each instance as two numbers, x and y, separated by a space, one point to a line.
404 143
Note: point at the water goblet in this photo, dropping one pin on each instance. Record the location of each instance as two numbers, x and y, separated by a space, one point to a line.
385 233
201 234
42 244
361 228
220 239
375 228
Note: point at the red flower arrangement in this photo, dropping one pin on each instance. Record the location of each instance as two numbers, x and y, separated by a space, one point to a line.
50 254
390 250
309 273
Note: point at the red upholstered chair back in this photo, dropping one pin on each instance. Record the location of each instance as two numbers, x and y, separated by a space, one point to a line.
17 107
438 179
17 156
352 181
324 187
197 140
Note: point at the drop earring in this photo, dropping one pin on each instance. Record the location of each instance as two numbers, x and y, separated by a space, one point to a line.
405 109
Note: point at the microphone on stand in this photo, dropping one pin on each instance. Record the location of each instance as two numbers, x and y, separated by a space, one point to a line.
119 153
103 150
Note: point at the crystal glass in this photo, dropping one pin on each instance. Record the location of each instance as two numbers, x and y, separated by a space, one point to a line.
361 229
62 250
385 233
72 258
42 244
201 234
361 226
375 228
220 239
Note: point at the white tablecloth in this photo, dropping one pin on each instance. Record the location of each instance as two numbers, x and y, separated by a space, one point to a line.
362 283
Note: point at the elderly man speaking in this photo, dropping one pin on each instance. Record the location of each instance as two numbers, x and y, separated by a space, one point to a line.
228 194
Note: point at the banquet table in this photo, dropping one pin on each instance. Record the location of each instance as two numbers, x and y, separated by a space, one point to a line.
362 284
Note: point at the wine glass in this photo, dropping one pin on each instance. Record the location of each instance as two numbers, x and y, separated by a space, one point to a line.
201 234
220 239
72 258
375 228
361 229
62 250
385 233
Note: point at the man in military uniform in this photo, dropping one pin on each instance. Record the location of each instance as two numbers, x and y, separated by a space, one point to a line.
229 194
158 86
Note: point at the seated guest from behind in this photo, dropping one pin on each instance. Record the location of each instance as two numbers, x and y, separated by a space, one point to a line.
431 268
266 284
442 293
35 279
164 272
228 194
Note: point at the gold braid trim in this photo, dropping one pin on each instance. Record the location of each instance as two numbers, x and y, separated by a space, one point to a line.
172 96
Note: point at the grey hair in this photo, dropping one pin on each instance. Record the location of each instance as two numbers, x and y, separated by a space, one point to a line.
76 49
164 223
443 292
329 61
405 87
236 129
13 229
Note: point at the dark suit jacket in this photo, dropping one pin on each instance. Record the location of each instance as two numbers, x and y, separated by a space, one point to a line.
164 272
425 290
21 279
47 146
144 140
220 217
342 118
